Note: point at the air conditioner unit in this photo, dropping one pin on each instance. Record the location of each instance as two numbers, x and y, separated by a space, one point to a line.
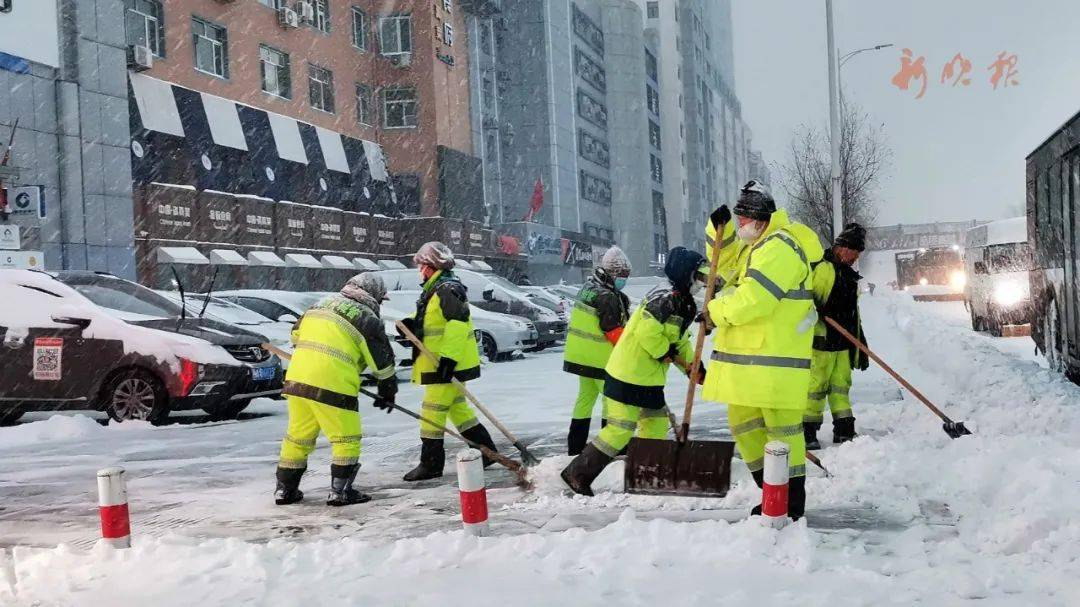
306 11
287 17
140 58
401 60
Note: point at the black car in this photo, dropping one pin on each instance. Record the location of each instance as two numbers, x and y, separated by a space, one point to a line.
86 340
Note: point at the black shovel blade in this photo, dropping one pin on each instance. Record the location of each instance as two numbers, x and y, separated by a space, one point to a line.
955 429
667 467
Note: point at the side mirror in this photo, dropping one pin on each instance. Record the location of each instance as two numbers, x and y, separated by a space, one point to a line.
82 323
489 294
980 267
287 318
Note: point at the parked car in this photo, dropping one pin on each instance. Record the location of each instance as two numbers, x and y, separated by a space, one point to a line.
568 292
998 260
278 332
289 306
550 300
494 294
92 341
499 335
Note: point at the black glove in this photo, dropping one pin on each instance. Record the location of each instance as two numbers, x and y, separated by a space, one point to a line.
700 318
388 389
410 324
720 216
672 352
445 371
701 374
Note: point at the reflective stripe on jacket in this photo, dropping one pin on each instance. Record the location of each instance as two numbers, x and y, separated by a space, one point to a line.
764 321
637 371
446 329
599 308
336 341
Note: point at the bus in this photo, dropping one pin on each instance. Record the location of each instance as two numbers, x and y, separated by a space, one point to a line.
997 260
1053 193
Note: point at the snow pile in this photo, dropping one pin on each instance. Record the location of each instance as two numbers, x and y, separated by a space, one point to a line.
60 428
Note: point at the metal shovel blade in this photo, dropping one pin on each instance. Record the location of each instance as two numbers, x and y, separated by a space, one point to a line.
667 467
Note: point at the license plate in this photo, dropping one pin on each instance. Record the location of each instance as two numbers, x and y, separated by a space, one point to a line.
263 373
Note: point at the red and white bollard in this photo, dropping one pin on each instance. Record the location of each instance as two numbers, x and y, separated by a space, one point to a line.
474 507
113 507
774 495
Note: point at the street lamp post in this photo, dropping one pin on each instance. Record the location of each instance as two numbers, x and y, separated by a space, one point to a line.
834 121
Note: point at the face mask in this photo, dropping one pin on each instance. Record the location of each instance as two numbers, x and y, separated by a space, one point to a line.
696 287
751 231
620 282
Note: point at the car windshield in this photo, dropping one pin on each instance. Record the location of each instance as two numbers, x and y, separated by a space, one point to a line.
124 296
1012 257
219 309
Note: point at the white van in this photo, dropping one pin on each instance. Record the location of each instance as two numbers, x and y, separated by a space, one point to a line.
997 260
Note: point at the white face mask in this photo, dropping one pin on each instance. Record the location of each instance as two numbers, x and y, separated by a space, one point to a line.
696 287
751 231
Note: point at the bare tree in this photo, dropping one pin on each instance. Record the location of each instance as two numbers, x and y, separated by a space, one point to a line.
864 157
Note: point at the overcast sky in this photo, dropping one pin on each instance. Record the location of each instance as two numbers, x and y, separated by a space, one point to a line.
958 152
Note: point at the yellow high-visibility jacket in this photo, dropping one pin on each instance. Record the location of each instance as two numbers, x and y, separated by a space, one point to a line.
336 341
445 327
765 319
599 308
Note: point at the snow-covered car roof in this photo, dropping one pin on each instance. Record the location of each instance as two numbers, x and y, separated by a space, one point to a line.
1002 231
32 299
297 301
404 303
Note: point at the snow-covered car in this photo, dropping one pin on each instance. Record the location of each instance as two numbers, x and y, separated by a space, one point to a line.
289 306
277 331
493 294
550 300
568 292
499 335
89 341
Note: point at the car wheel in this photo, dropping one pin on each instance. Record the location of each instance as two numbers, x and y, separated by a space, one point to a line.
491 349
993 323
135 394
228 410
10 416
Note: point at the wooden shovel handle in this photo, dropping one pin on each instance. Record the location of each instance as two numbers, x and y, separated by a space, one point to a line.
710 289
874 357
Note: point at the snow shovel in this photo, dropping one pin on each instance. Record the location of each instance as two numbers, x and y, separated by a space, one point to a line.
682 467
506 462
953 429
528 458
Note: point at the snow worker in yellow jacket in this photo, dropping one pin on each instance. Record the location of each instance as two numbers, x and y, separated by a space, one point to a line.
443 323
596 323
764 319
636 372
335 341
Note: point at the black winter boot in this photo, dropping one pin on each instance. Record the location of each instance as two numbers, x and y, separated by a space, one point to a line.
843 430
432 459
759 480
581 472
810 430
341 489
578 436
480 435
288 486
796 500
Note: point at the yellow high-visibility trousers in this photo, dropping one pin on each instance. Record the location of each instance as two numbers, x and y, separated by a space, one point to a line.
442 401
624 420
306 418
830 378
588 389
753 427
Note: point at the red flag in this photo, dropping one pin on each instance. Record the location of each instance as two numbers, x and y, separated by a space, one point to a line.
537 200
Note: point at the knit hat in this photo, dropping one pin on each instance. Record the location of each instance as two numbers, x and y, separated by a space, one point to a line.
615 262
853 237
436 255
365 283
755 202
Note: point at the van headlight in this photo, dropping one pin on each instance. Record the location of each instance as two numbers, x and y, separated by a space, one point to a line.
958 279
923 282
1009 294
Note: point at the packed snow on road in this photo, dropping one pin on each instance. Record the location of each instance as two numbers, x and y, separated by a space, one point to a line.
909 517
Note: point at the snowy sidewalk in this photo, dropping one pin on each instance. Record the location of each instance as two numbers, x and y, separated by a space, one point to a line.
911 516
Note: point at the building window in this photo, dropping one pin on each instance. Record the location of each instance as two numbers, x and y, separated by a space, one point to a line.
486 38
654 10
322 16
448 34
359 29
651 68
395 35
144 21
654 134
274 4
448 5
364 110
274 66
657 168
400 107
211 47
321 88
652 100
